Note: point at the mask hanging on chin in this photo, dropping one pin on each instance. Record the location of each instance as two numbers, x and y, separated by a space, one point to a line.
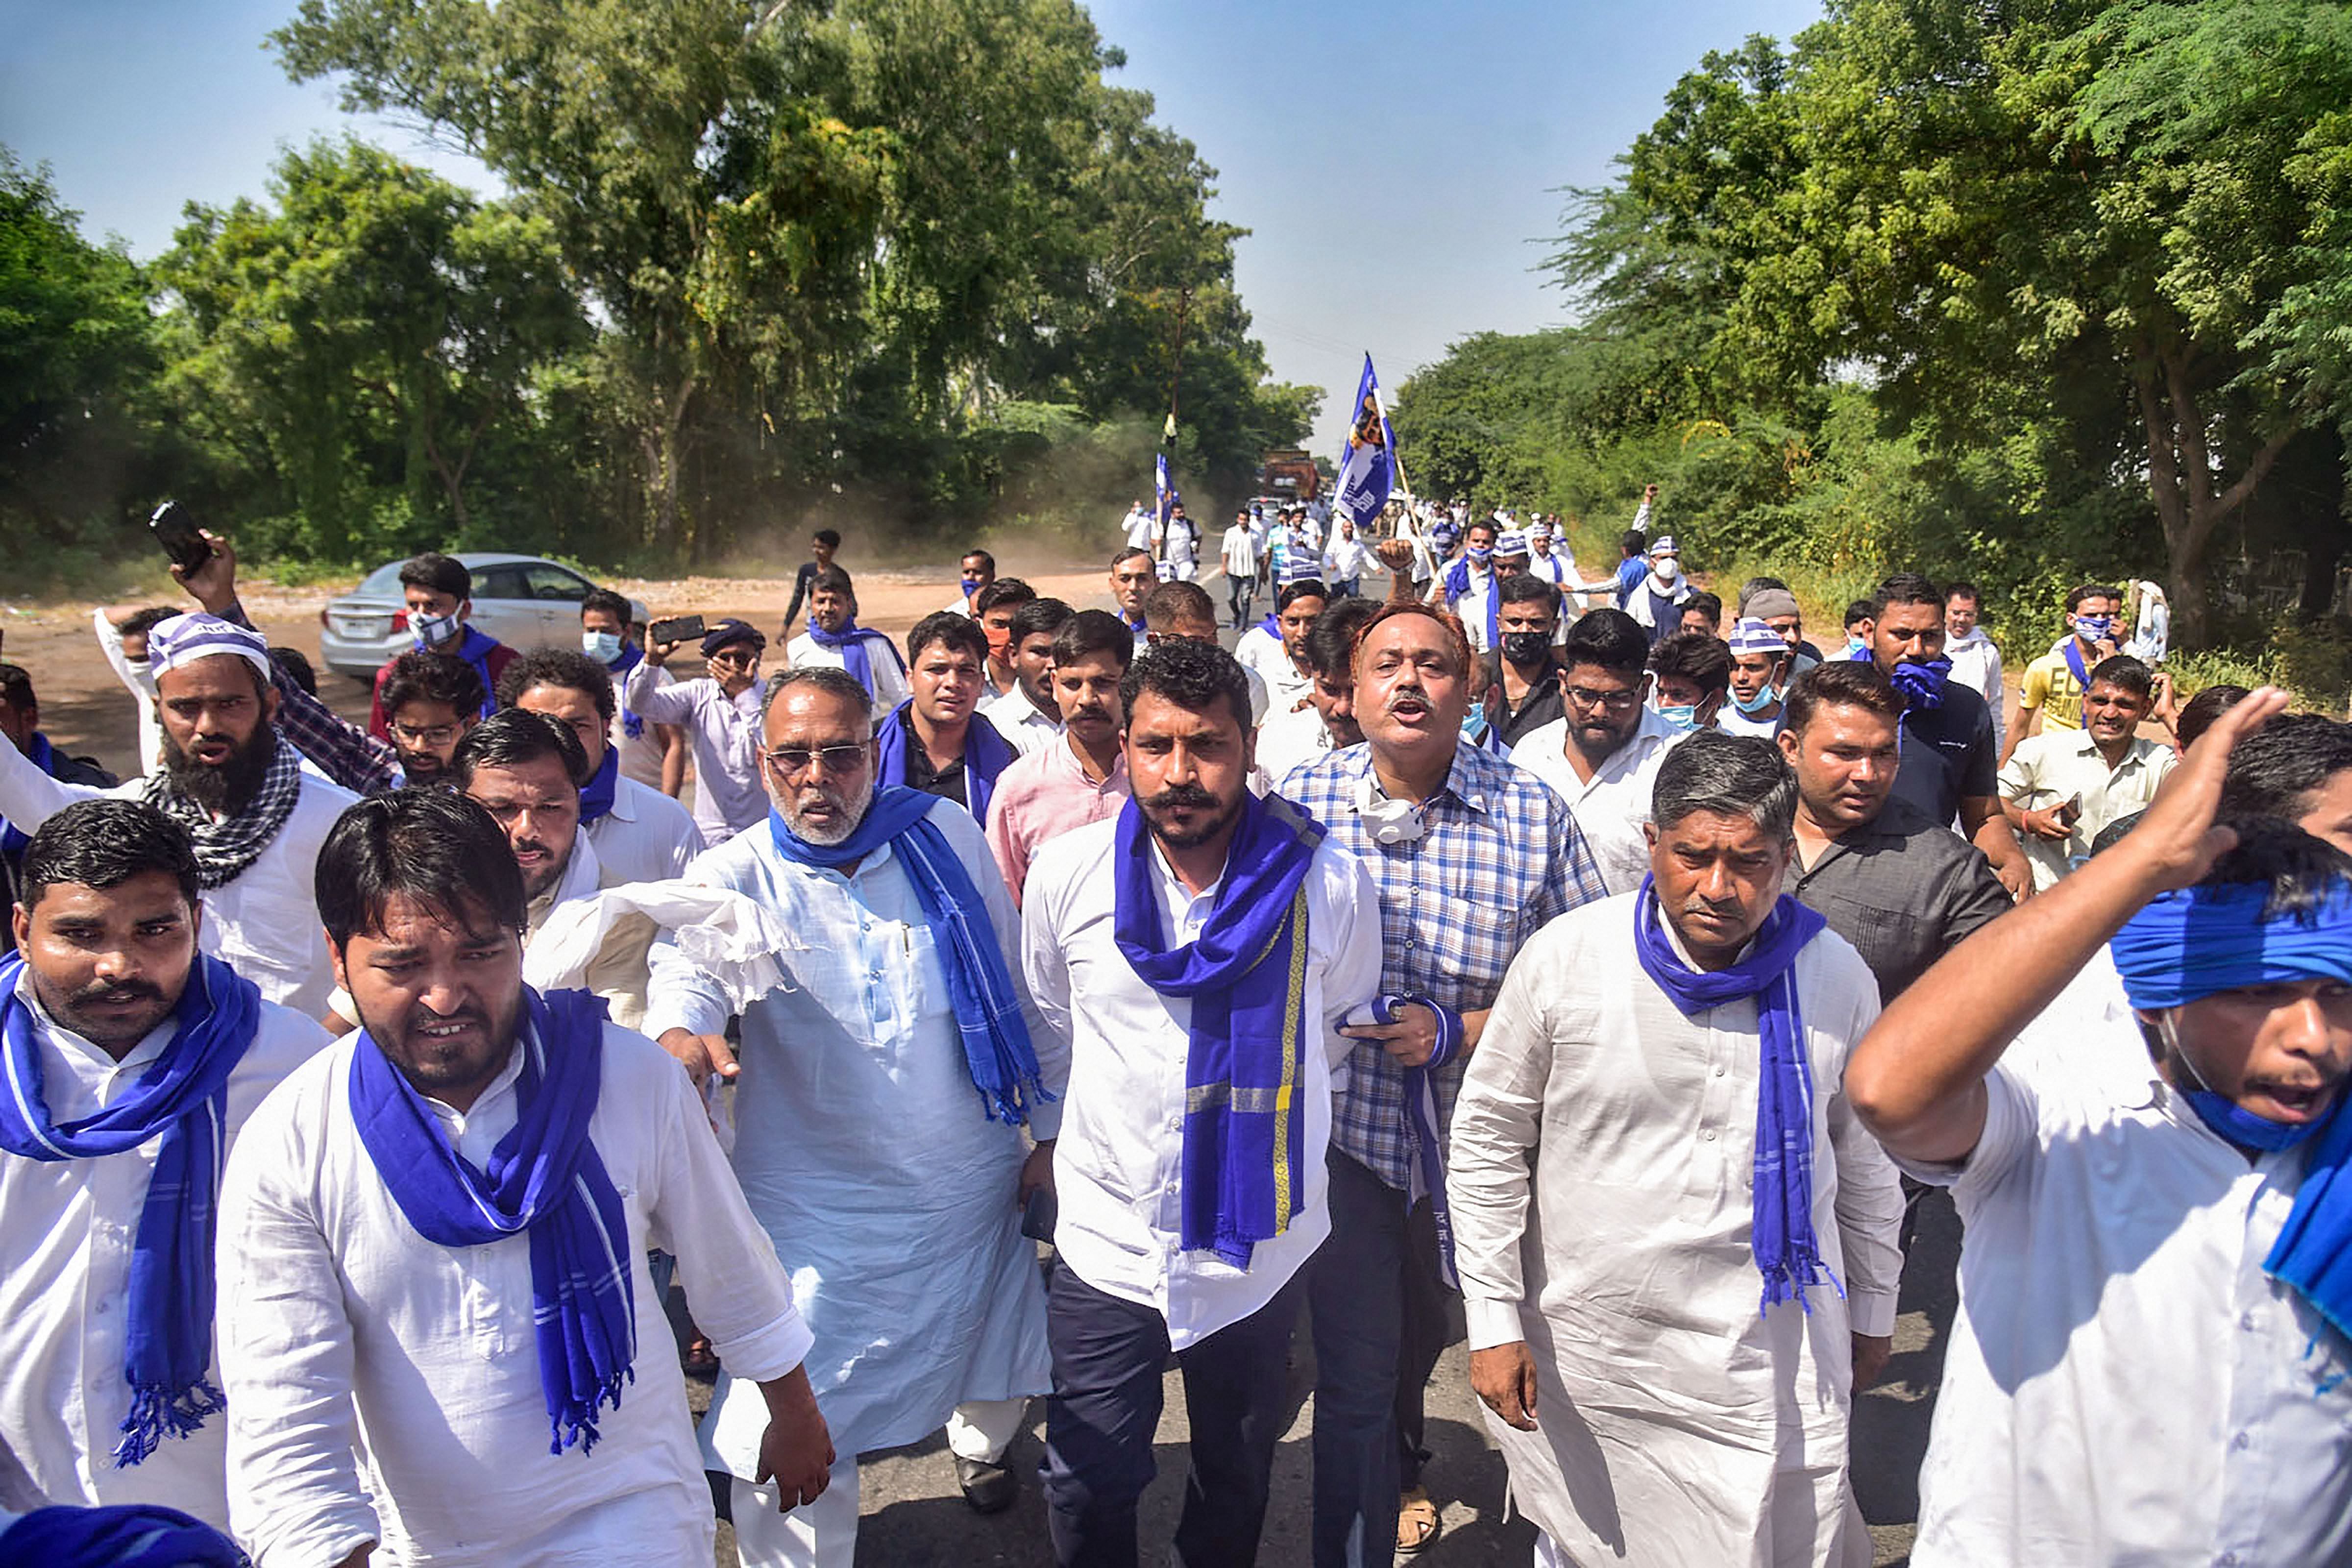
1388 821
2231 1121
1766 696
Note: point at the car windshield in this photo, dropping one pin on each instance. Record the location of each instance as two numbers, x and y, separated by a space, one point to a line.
384 580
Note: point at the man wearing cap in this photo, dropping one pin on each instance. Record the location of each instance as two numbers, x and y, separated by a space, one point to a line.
721 715
256 817
1656 600
1759 660
1547 558
1777 608
2152 1288
836 641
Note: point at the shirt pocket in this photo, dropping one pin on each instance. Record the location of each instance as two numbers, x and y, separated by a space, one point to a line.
1476 943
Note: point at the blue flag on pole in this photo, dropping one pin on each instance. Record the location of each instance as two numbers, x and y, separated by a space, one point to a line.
1368 462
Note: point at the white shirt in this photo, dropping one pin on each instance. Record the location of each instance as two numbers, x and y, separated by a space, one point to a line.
723 733
1276 685
1288 739
339 1325
641 757
65 1233
2124 1382
1181 542
1018 721
1116 1167
1678 1423
1239 553
1347 560
136 679
1976 664
2054 765
890 687
864 1150
645 838
1611 809
265 923
1139 524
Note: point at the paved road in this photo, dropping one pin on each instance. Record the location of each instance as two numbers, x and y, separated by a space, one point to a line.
914 1518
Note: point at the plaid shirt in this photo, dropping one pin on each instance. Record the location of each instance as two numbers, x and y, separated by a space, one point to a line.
337 748
1498 856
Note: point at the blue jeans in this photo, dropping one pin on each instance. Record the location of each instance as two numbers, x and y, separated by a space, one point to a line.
1239 592
1382 1316
1108 1357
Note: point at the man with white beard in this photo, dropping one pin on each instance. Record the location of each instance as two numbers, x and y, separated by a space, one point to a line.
879 1117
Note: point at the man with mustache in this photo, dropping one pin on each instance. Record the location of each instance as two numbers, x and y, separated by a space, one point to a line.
1602 754
935 742
1471 857
2190 1216
2062 787
1904 891
836 641
639 834
1326 722
430 701
1275 650
132 1063
1948 768
1652 1412
256 820
1081 777
1200 950
879 1118
433 1240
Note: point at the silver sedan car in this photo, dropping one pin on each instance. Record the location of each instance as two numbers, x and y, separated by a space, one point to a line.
523 601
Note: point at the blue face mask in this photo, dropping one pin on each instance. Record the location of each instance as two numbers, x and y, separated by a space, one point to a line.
602 647
2093 629
1474 724
1683 716
2230 1120
1766 695
1481 554
970 585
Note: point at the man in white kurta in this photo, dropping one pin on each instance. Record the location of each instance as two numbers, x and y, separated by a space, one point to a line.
260 919
345 1332
67 1227
640 834
868 1156
1673 1422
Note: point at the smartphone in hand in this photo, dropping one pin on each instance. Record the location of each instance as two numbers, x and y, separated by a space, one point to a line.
676 629
177 531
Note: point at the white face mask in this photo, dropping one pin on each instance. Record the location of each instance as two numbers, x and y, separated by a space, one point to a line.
1390 821
434 630
602 647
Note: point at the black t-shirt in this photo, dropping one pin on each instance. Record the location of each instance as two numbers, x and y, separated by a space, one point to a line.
1543 703
947 783
1948 754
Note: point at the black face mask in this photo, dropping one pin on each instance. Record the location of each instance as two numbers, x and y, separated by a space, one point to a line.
1526 648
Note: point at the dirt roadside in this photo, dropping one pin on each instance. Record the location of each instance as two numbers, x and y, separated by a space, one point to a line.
86 711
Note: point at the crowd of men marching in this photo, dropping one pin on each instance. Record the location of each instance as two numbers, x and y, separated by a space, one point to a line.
1580 966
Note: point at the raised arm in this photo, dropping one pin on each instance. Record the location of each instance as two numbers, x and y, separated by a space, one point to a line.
1917 1079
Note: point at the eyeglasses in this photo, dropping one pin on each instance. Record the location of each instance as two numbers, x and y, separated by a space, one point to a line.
834 760
434 735
1585 697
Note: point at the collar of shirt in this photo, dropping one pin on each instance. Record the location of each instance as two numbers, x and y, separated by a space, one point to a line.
1464 784
97 1072
1065 761
2135 756
1182 912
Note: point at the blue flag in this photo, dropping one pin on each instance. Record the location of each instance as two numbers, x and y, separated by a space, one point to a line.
1164 494
1368 462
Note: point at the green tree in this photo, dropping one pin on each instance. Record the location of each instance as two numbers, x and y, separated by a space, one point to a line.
370 334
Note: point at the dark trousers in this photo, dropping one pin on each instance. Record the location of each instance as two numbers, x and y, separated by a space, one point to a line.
1382 1316
1108 1358
1239 592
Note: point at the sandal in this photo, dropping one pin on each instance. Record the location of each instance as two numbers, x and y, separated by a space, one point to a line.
1417 1523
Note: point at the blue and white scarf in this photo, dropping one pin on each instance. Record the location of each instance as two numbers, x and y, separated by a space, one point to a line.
2199 941
851 642
183 1102
1243 1173
544 1180
1787 1254
986 754
996 1044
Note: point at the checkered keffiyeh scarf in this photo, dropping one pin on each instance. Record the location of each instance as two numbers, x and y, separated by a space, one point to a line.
225 847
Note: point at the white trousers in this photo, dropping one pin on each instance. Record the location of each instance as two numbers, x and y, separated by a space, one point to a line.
824 1534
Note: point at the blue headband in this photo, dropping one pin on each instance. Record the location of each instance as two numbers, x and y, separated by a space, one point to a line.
2193 943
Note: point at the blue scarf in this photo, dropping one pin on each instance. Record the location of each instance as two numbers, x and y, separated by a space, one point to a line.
2198 941
596 794
1428 1172
544 1179
850 642
182 1101
1787 1252
987 1008
1271 625
2074 651
1243 1170
127 1535
475 648
1920 685
1457 578
43 756
631 657
986 754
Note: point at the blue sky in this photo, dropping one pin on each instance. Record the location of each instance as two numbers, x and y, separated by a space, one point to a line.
1398 165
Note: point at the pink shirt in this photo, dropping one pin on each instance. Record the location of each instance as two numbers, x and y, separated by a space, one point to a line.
1044 795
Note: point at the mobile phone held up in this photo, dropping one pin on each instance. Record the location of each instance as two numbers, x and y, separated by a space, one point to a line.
175 530
677 629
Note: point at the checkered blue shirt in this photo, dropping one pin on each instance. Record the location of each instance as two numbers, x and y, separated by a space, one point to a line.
1498 856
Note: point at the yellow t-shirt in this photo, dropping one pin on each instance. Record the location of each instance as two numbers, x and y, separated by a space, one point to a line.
2050 685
